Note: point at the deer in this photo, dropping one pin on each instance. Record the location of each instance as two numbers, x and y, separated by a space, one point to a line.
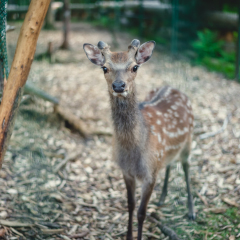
148 136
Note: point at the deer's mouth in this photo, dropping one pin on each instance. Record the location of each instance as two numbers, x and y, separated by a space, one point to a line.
122 94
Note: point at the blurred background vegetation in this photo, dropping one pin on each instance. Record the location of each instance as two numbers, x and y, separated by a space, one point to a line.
205 31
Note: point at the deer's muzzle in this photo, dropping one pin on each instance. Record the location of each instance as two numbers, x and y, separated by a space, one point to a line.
118 86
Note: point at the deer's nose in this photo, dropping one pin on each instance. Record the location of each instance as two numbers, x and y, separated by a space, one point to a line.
118 86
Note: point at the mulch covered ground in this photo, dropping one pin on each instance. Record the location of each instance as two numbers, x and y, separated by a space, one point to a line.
40 198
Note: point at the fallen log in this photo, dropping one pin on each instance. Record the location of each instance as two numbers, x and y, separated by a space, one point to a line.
64 113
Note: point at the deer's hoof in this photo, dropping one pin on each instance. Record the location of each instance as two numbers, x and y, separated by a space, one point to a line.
129 238
159 204
192 216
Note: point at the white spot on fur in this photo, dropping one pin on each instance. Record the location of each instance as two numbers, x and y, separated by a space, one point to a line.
149 114
174 107
176 114
161 153
173 147
158 122
159 138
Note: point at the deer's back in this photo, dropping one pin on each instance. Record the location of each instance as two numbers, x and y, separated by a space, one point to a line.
168 114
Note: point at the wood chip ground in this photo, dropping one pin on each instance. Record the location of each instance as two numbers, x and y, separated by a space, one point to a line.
86 197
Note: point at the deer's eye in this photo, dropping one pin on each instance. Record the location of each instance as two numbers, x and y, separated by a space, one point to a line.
104 69
135 68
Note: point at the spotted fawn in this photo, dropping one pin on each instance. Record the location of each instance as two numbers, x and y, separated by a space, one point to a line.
147 136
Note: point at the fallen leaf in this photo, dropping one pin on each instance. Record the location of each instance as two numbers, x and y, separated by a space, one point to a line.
2 232
79 235
51 231
232 237
3 214
14 224
215 210
230 202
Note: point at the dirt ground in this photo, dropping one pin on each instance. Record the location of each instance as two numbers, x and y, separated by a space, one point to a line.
86 197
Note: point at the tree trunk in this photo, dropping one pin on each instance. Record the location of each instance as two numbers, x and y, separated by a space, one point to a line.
1 77
49 22
20 68
66 24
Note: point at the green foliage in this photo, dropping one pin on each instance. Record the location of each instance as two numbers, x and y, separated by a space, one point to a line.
230 8
210 53
104 21
207 44
212 226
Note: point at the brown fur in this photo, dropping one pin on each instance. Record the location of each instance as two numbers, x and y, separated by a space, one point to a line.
119 57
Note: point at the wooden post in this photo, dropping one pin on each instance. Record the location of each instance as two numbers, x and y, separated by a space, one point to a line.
141 19
20 68
117 15
66 24
49 20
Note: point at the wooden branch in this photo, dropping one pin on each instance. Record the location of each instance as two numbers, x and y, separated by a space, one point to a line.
70 157
10 28
165 230
20 68
74 121
32 90
212 134
63 112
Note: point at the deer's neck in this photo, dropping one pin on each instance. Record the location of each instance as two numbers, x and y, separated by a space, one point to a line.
127 120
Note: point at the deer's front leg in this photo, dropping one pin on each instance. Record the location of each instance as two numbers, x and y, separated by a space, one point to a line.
130 185
146 194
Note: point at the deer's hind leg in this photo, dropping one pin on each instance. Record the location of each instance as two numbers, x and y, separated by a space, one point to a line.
165 186
185 157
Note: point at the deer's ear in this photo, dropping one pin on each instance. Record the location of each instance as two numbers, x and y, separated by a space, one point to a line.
94 54
144 52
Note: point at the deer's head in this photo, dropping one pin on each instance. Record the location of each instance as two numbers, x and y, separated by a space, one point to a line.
120 68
